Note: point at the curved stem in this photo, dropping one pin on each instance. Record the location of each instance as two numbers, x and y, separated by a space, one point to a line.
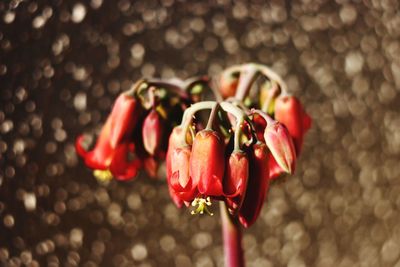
246 79
189 112
211 119
175 86
272 94
232 238
239 115
272 75
132 91
265 116
188 116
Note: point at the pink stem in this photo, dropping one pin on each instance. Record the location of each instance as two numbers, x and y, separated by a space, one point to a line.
247 76
232 237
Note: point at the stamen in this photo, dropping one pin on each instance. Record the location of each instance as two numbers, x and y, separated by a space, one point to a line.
103 175
202 206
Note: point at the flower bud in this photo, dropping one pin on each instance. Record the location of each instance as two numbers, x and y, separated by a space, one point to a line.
281 146
152 132
235 180
228 84
207 162
257 185
290 112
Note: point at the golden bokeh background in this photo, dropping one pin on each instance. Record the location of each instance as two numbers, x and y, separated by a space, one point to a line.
62 63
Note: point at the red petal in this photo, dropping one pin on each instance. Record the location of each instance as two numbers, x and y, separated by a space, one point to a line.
120 167
207 163
235 180
186 193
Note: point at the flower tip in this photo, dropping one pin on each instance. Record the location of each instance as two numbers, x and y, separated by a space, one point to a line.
78 146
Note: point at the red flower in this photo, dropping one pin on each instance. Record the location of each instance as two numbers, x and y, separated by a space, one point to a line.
114 145
257 185
207 162
235 181
290 112
182 185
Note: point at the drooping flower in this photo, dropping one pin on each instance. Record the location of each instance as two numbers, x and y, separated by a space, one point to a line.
182 183
235 180
111 153
290 112
207 162
177 167
257 185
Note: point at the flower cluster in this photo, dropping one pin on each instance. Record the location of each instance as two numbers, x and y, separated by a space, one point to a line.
244 146
135 134
252 136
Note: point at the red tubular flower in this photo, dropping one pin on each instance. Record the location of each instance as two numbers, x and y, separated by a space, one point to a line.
113 145
152 132
257 185
175 141
182 185
279 142
290 112
235 181
207 163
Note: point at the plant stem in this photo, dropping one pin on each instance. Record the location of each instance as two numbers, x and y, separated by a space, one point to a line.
247 77
232 238
213 114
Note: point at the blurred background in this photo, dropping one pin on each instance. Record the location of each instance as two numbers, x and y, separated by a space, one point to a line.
62 64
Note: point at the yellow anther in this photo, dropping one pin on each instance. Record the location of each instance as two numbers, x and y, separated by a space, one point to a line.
103 175
202 206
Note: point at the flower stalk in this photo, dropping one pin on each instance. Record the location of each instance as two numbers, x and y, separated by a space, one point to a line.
232 239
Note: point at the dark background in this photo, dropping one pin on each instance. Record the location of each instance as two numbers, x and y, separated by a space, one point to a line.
62 63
